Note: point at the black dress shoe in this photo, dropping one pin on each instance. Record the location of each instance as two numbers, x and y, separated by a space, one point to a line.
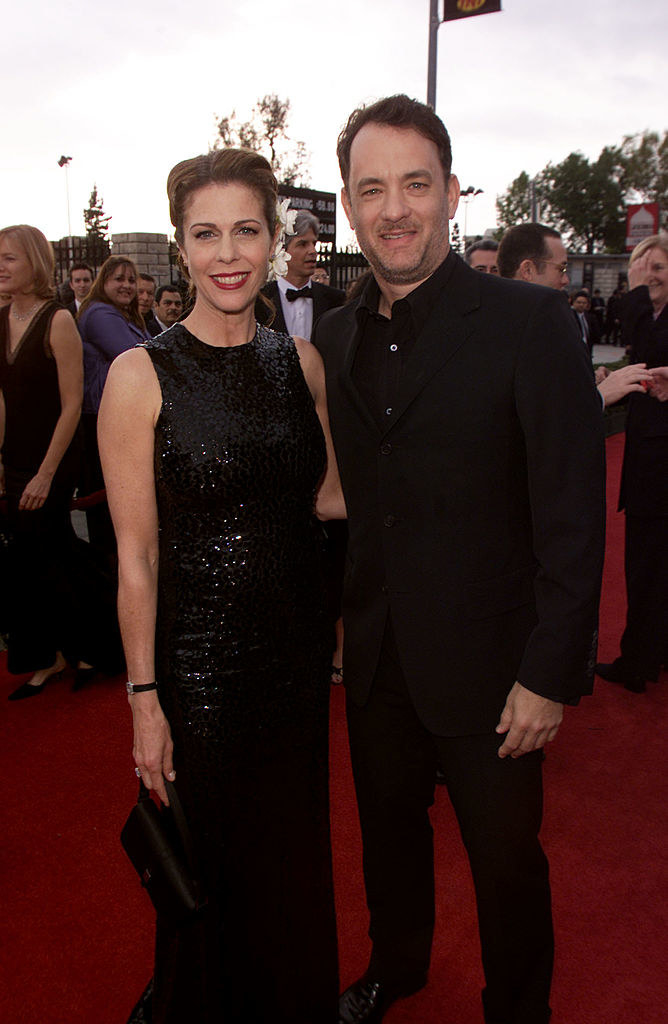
367 1001
616 672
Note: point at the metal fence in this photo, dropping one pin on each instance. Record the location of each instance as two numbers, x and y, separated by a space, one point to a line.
344 265
78 249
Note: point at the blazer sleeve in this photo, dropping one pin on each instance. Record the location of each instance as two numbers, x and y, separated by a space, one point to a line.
560 414
107 330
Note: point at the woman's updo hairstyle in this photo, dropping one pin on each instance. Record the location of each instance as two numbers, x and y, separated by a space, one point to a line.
221 167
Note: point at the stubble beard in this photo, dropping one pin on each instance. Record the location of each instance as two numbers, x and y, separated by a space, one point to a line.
426 263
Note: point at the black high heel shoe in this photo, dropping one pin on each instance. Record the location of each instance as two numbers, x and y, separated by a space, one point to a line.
28 690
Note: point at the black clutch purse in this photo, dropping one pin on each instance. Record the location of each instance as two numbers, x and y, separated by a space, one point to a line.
158 842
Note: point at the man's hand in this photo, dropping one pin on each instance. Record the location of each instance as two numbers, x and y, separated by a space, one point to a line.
529 721
622 382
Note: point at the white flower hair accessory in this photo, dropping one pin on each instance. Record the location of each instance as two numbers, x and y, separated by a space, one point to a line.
278 261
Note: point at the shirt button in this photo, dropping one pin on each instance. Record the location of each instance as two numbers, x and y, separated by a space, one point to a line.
388 411
394 348
389 520
385 449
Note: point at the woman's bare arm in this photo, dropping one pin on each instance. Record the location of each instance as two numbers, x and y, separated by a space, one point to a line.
329 503
126 429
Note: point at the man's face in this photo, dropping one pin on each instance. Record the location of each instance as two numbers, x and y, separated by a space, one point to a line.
552 272
80 283
145 295
581 304
398 203
169 308
484 260
303 256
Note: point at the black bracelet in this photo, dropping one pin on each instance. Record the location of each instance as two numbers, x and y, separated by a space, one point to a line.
140 687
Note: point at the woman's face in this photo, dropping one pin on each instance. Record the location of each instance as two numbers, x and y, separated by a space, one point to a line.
657 277
16 273
226 246
121 287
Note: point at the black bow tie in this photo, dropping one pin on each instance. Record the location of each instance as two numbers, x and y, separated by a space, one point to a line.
301 293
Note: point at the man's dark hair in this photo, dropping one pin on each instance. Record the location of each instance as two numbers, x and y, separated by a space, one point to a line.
397 112
82 266
166 288
482 245
523 242
146 277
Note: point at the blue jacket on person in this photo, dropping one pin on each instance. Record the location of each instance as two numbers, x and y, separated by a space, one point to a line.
105 333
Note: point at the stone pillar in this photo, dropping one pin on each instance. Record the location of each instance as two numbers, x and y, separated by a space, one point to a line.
148 251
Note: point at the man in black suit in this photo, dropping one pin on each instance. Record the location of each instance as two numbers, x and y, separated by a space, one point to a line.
587 323
298 301
167 310
536 254
81 280
470 444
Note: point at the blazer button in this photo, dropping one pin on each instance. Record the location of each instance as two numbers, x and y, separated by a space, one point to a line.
385 449
389 520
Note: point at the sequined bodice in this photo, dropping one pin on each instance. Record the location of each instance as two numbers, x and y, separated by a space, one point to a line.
239 452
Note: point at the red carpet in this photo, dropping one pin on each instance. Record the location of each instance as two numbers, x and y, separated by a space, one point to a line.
76 928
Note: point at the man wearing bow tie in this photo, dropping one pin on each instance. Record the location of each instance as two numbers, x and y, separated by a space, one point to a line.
298 300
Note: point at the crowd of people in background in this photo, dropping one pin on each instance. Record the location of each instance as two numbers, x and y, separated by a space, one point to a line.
121 306
215 460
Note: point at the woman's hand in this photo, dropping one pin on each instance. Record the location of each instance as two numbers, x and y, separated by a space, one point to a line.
659 385
638 271
36 491
152 748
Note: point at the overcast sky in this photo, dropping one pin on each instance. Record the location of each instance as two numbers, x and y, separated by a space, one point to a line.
129 88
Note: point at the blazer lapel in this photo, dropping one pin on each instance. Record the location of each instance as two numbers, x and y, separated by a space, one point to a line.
273 294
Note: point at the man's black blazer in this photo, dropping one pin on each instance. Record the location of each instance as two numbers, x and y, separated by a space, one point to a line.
324 298
152 325
476 514
593 327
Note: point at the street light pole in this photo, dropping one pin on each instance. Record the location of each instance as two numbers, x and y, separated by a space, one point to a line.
467 195
434 22
65 162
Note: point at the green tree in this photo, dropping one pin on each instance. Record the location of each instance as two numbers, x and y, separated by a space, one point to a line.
646 170
586 199
514 205
97 223
266 132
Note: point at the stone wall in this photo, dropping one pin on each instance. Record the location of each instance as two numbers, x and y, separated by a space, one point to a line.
150 253
601 271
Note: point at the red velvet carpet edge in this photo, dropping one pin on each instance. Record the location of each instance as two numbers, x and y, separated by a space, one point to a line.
76 940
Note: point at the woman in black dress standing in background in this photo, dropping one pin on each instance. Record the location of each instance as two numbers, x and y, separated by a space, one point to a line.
41 384
214 442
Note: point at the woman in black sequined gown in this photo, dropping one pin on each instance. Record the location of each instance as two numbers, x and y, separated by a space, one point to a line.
214 441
